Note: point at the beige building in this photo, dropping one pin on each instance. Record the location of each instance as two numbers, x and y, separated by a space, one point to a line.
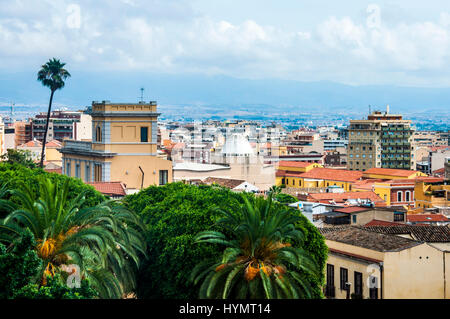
123 149
382 140
366 264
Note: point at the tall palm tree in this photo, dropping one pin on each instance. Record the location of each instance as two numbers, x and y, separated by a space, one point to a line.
52 75
104 240
261 259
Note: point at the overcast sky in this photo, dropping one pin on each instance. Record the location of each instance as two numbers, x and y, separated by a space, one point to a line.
404 42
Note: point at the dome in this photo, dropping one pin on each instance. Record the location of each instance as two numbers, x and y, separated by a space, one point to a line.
237 145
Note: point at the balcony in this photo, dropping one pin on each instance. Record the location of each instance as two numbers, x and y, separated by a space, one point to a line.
82 148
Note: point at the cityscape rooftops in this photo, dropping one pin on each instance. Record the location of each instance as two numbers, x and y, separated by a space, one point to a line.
333 174
113 189
389 172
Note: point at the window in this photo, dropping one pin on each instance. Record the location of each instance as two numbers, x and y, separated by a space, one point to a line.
399 196
329 292
77 170
87 173
354 219
68 169
163 177
98 134
144 134
399 217
97 173
344 277
358 284
407 196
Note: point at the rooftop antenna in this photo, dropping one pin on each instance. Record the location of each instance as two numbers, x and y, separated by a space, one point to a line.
370 112
142 95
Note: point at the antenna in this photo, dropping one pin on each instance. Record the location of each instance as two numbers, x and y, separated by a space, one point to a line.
370 112
142 95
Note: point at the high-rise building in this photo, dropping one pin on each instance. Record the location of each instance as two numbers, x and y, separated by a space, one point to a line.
62 125
382 140
123 149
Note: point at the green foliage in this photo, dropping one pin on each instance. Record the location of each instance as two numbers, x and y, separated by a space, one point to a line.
263 256
56 289
15 176
103 240
52 74
173 215
285 198
18 266
20 157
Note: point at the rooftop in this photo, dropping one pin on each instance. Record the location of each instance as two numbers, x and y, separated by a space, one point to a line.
198 167
332 174
294 164
341 197
390 172
352 209
360 237
426 233
225 182
427 218
109 188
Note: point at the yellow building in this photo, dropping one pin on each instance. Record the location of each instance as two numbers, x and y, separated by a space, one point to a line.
123 149
389 173
368 264
318 177
430 194
288 172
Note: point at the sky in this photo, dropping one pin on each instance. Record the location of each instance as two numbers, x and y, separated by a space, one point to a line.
355 42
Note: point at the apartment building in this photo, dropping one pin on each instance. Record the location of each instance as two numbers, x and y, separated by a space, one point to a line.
380 263
23 132
382 140
62 125
124 147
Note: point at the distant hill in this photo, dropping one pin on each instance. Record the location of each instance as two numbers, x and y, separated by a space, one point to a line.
222 94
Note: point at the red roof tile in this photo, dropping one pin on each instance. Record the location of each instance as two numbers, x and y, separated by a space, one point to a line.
109 188
426 218
294 164
341 197
352 209
376 222
333 174
390 171
53 170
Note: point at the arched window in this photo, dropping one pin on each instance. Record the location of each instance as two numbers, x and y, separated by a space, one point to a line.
399 196
407 196
98 134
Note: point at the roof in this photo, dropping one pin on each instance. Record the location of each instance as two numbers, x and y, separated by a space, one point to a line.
198 167
352 209
225 182
427 218
32 143
390 171
109 188
53 143
53 170
377 222
360 237
341 197
332 174
294 164
426 233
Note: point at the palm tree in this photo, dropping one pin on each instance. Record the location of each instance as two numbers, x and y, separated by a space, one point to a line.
52 75
261 259
104 240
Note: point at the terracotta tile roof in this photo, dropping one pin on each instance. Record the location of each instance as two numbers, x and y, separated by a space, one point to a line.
390 171
109 188
360 237
366 183
352 209
225 182
427 218
294 164
425 233
32 143
341 197
376 222
53 144
333 174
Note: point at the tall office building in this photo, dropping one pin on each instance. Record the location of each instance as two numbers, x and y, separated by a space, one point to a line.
382 140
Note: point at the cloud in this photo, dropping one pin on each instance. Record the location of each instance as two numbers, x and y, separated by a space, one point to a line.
175 37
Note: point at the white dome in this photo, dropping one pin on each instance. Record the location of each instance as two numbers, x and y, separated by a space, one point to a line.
237 145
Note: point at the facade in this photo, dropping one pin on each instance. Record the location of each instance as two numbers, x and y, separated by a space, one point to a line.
383 140
23 132
63 125
124 147
431 194
365 264
2 137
